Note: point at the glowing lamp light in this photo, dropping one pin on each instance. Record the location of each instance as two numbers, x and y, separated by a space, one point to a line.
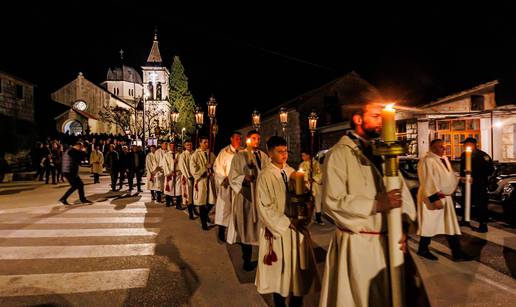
283 115
199 116
174 116
497 124
256 119
312 121
212 107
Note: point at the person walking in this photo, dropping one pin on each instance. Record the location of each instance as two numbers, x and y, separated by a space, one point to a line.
71 163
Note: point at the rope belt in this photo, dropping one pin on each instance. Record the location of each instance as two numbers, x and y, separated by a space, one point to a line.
378 233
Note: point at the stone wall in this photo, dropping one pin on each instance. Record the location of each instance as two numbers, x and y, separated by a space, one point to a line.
10 104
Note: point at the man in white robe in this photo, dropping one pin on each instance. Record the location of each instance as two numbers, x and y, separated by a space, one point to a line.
201 167
172 185
243 226
286 262
221 168
151 166
316 179
355 198
435 206
187 180
159 156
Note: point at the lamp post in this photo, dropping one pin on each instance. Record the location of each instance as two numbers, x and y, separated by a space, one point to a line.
174 116
199 121
157 131
212 111
312 126
256 120
283 116
144 98
183 135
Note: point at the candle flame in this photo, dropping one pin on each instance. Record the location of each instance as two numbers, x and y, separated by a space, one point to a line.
468 149
248 142
301 170
389 107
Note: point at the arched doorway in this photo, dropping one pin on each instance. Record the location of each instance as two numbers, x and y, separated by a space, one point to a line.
73 127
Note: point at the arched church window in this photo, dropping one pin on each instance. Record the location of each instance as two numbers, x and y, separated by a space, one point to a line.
150 89
158 91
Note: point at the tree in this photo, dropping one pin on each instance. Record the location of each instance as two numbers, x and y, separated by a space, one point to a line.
180 97
124 118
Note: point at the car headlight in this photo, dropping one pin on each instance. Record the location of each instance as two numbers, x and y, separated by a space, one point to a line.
507 190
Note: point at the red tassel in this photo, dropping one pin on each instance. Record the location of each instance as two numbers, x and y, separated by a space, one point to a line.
271 255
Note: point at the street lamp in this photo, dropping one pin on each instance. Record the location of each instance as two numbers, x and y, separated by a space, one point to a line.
256 119
212 111
199 121
312 125
174 116
283 115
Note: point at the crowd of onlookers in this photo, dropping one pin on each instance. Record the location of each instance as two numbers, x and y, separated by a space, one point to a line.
47 155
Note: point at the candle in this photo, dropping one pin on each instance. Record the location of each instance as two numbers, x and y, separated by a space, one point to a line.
388 123
468 159
249 150
299 182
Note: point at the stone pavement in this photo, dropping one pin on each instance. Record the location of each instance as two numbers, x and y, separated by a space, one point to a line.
124 250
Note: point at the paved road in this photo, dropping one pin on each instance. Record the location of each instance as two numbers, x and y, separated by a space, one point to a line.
125 250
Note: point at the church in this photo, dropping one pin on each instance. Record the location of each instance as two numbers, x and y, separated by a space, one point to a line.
95 108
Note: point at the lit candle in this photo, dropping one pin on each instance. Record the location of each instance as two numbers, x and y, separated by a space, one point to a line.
468 159
249 150
299 182
389 123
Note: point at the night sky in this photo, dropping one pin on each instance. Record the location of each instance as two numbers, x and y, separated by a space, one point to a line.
257 55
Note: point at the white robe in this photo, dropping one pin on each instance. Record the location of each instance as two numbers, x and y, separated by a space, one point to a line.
435 177
153 181
198 169
186 184
295 269
243 224
171 174
355 272
159 176
221 168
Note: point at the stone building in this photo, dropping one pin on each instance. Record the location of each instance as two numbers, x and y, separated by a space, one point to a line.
469 113
86 100
123 87
16 97
331 102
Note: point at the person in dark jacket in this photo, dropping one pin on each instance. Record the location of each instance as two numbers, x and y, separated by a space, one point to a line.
136 167
49 168
112 163
123 169
71 163
481 168
57 157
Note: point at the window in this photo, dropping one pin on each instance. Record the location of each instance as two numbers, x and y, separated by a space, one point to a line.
453 132
19 91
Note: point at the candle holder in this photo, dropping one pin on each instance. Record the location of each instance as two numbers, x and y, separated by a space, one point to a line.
300 207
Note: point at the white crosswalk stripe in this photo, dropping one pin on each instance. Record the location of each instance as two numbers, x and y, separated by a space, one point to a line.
78 282
76 223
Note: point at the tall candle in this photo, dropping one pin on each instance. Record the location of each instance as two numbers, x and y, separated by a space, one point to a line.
468 159
299 182
249 150
389 123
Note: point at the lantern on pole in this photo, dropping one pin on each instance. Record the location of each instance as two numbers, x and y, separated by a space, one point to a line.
312 126
283 116
199 121
174 117
212 111
256 119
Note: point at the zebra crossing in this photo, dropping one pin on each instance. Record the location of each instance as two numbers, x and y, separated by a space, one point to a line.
56 240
